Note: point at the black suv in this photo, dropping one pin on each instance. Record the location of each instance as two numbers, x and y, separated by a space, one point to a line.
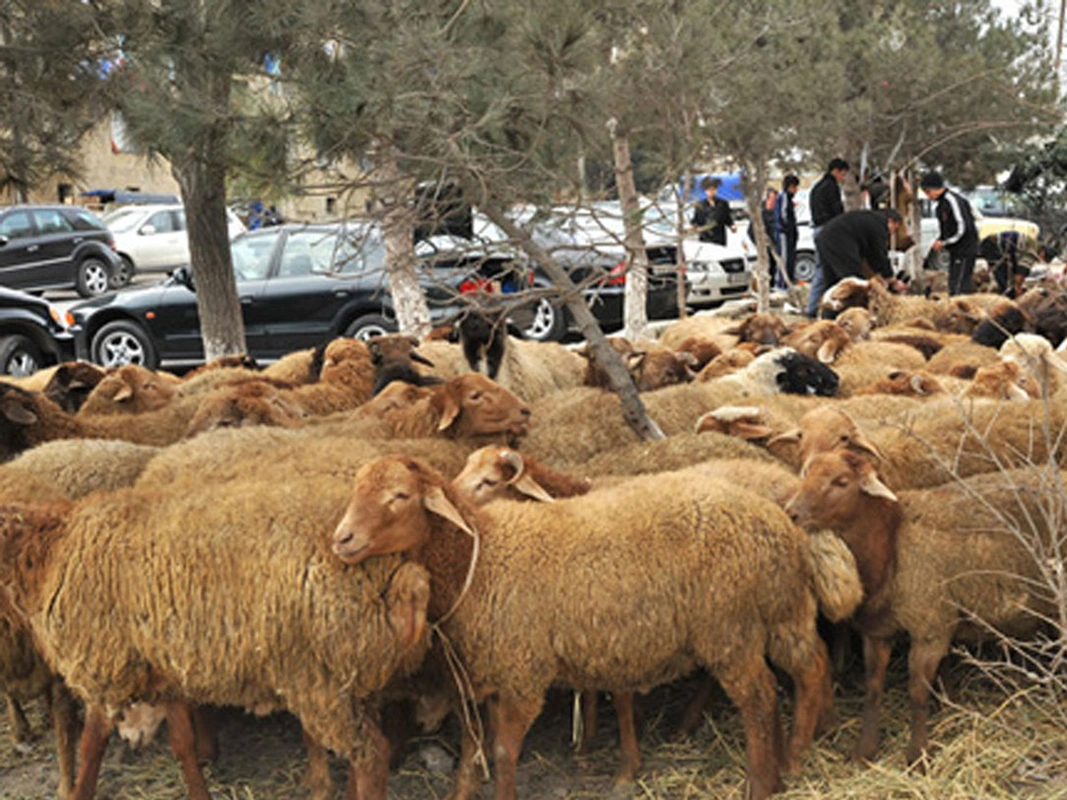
55 247
33 334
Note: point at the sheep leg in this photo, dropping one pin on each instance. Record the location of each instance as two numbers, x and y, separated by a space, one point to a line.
368 779
589 714
317 777
20 726
206 735
814 702
694 712
183 744
631 755
91 751
512 718
751 686
467 781
875 661
65 725
923 660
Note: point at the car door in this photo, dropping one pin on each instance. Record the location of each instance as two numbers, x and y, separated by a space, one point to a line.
162 242
299 304
20 255
57 240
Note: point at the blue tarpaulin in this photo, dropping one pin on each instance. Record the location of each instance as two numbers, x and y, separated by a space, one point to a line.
729 190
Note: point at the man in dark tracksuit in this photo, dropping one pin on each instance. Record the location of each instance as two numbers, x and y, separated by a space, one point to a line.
824 200
854 239
959 234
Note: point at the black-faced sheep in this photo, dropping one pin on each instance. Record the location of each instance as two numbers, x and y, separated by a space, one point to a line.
71 384
394 358
517 641
933 563
138 624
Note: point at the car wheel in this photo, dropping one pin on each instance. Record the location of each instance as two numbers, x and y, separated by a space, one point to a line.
94 277
549 323
123 273
805 267
370 325
19 356
122 342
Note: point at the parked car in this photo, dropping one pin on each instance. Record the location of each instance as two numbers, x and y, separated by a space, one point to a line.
154 238
299 285
987 226
55 247
33 334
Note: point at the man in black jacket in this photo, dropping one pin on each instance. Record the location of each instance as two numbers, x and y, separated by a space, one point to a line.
855 240
959 234
712 216
824 200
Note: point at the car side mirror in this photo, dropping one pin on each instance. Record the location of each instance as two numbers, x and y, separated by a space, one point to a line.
147 230
184 276
3 241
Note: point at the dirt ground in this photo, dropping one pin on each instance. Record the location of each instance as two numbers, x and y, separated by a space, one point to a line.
986 748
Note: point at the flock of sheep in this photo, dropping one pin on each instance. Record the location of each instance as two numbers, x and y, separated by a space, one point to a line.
466 523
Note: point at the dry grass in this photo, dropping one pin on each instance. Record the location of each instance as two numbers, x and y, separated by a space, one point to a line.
987 745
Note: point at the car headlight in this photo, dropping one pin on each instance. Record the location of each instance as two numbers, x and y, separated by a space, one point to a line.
62 320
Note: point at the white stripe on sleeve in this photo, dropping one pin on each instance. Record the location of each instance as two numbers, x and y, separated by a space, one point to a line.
961 226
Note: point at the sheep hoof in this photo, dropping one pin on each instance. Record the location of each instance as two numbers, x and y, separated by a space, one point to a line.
917 759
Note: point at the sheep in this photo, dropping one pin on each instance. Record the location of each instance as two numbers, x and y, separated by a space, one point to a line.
703 326
822 340
725 364
1003 381
298 367
931 561
73 468
651 367
845 294
918 383
856 322
71 384
113 588
927 342
252 403
1005 319
680 598
581 423
1035 354
750 423
394 357
1046 307
493 472
702 349
961 359
237 361
766 329
131 389
452 418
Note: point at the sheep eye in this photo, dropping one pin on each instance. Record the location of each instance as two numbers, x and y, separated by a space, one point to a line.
843 437
402 496
841 482
474 396
489 483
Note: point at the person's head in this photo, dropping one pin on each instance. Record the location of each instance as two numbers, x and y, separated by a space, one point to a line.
838 168
893 220
790 183
933 185
710 186
772 197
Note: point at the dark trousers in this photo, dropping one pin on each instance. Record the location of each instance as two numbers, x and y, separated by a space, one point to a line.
961 272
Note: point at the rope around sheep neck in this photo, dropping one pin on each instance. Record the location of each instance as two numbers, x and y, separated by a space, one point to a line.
468 703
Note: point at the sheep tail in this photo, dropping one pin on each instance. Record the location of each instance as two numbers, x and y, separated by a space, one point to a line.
837 581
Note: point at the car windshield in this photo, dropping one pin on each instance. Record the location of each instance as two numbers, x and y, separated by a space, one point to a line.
122 219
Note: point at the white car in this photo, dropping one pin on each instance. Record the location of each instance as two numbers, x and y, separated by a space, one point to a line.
153 238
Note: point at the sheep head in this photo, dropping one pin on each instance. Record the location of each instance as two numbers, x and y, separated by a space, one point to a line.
743 422
131 389
396 395
658 368
1004 381
823 340
822 430
761 329
834 491
902 382
1006 318
473 406
244 406
725 364
846 293
958 315
394 502
19 417
798 374
71 384
483 335
491 471
703 350
856 322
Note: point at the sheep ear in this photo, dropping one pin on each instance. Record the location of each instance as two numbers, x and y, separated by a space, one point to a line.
828 351
917 385
751 430
531 488
420 358
17 411
863 444
1017 393
436 501
870 484
789 437
124 393
687 358
634 360
451 406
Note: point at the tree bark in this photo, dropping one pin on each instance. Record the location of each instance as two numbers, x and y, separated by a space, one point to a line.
201 173
633 409
392 192
755 180
635 307
681 225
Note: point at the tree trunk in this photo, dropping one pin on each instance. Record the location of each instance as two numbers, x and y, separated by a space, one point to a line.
681 225
754 178
633 409
398 224
635 307
201 173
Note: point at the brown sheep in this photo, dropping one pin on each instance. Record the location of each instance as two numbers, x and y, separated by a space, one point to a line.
766 329
539 632
494 472
253 403
961 359
71 384
651 367
299 367
856 322
153 634
930 561
237 361
702 349
1003 381
131 389
822 339
725 364
394 357
919 383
